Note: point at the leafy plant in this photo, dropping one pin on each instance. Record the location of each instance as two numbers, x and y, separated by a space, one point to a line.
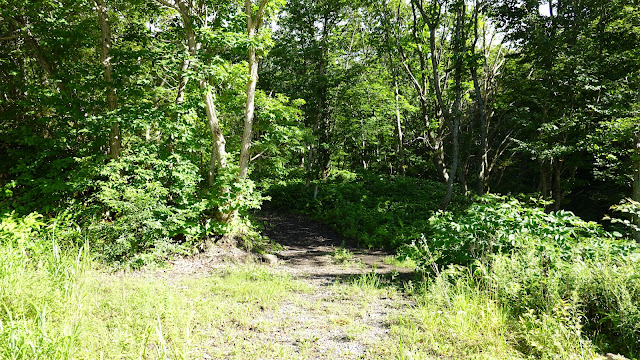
629 208
148 204
495 224
377 211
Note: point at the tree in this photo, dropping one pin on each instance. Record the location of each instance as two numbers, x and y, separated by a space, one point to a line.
115 138
254 24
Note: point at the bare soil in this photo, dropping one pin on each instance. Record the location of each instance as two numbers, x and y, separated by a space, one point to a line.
309 247
348 312
335 321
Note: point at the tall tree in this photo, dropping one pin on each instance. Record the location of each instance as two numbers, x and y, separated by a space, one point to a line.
254 23
115 138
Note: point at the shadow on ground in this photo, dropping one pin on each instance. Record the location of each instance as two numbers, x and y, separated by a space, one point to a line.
309 247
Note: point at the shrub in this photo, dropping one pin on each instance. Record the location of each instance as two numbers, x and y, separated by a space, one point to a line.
559 275
495 224
377 211
149 208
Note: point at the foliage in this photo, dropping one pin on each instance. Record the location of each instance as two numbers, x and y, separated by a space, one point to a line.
601 291
495 224
559 275
377 211
147 203
629 208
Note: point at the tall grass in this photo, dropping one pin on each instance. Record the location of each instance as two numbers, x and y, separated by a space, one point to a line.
58 303
456 317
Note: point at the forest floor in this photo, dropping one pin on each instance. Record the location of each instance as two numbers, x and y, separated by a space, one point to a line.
349 298
324 298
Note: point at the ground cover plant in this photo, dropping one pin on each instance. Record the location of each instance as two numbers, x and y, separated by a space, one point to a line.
561 276
376 211
567 281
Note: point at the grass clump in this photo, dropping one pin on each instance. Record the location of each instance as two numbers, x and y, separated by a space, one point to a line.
454 318
569 283
342 255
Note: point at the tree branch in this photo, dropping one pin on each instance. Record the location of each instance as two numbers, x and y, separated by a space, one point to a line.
168 4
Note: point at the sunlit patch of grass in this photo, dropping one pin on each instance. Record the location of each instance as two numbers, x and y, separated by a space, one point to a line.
61 305
400 261
183 318
465 326
342 255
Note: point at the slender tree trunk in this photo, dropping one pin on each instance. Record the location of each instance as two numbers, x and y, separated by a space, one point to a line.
253 26
558 194
218 149
636 180
182 83
49 69
545 189
460 47
482 169
403 167
438 158
218 152
115 140
245 150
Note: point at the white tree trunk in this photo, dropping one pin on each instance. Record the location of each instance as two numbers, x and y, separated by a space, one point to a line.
245 150
253 26
218 150
403 167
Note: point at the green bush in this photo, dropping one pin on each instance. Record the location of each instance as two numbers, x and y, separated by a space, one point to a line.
377 211
559 275
148 207
603 287
151 207
495 224
455 302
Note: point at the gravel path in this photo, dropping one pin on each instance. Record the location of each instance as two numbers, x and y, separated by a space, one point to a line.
351 304
349 313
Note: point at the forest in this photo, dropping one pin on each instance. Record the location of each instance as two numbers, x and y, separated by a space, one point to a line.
490 146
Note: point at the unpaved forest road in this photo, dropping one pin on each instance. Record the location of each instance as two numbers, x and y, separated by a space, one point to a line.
309 247
335 321
347 313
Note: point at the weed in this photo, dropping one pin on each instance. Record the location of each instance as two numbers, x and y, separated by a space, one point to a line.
342 255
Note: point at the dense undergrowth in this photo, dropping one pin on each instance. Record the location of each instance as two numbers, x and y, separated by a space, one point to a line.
571 286
376 211
504 277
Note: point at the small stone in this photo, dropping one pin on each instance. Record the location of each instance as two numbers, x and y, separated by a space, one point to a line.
269 259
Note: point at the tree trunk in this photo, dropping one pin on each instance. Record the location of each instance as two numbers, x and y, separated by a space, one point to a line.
218 149
253 26
636 181
403 167
482 169
115 140
438 158
182 83
245 150
544 180
49 69
460 48
558 194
